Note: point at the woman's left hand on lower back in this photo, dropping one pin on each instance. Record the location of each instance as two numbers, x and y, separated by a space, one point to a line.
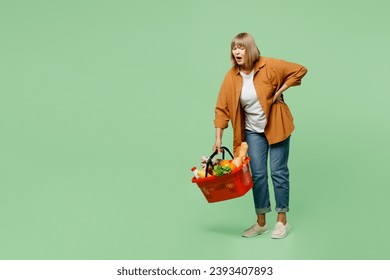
277 97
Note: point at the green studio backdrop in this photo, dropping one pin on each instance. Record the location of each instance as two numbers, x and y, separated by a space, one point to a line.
106 105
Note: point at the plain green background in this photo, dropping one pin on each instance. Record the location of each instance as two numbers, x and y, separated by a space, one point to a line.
106 105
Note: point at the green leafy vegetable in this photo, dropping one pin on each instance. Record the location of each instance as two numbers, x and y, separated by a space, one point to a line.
221 170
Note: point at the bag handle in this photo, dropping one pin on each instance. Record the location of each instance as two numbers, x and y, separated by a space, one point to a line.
223 148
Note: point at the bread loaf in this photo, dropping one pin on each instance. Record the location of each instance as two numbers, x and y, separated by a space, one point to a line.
243 150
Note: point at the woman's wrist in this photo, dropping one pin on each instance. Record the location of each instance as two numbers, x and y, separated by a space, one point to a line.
278 94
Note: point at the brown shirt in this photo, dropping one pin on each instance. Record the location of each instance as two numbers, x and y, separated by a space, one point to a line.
269 76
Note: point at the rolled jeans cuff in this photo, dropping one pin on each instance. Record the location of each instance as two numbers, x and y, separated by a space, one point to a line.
263 210
281 210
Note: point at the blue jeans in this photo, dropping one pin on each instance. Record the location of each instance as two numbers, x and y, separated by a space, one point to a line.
258 148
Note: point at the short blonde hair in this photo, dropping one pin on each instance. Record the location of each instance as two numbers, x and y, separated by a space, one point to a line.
246 41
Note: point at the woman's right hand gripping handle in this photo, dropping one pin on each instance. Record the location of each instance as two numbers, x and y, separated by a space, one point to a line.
218 139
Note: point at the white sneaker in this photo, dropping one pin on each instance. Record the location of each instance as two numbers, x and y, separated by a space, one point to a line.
280 230
255 230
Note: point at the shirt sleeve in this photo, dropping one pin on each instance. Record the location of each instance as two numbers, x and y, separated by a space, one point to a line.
222 115
288 73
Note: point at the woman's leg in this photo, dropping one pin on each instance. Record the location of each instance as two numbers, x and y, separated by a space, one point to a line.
261 219
258 153
280 177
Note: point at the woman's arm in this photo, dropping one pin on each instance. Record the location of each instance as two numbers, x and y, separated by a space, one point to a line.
287 74
222 115
218 139
278 94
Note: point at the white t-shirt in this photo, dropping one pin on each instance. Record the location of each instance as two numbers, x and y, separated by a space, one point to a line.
255 119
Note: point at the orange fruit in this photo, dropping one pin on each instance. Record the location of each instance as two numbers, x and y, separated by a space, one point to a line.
232 165
224 162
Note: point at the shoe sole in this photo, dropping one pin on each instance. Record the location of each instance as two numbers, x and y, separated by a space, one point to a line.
278 237
248 236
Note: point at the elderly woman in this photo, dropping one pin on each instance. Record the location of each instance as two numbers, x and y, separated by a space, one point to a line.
251 97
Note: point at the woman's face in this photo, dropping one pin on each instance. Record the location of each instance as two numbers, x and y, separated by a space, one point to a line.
239 55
